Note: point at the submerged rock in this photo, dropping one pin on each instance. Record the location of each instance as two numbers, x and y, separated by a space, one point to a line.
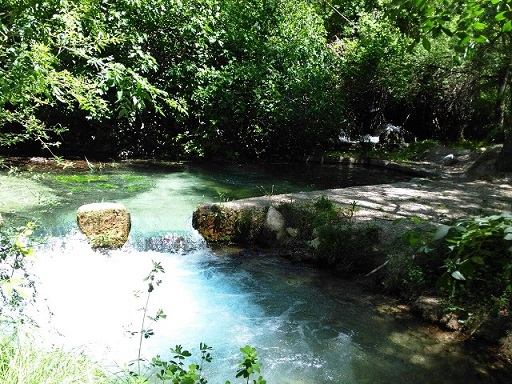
106 225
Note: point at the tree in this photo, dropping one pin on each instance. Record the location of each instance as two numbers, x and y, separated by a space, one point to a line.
70 56
475 25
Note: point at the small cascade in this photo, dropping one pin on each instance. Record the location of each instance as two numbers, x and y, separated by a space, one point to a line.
298 318
182 242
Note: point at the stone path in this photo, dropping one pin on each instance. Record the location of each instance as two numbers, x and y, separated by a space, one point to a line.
468 188
434 200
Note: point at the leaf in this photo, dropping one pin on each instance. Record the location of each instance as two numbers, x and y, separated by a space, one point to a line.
479 26
441 232
500 16
458 276
464 40
508 236
426 43
425 249
478 260
507 27
480 39
148 333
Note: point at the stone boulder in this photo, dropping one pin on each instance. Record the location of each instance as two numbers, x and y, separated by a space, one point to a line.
106 225
229 222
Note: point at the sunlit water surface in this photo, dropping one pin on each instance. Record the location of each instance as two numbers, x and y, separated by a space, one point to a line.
306 330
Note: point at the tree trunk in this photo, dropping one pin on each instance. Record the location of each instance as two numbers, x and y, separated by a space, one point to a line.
504 161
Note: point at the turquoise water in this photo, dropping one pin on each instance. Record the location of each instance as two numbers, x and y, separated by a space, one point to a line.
305 324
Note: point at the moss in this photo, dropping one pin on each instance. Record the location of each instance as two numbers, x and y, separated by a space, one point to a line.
80 178
126 183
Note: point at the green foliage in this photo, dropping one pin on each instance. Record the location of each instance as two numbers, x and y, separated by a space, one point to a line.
249 365
413 266
22 362
70 56
175 370
330 237
478 263
349 248
373 71
469 262
269 89
15 282
259 79
471 22
479 34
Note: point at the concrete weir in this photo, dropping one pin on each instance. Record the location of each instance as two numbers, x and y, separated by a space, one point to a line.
437 201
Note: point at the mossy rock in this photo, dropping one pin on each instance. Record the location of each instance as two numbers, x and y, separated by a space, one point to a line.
219 223
106 225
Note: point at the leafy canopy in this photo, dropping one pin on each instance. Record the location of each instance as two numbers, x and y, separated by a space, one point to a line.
470 22
70 55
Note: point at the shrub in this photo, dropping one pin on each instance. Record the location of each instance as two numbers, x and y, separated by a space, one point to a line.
478 263
469 263
348 247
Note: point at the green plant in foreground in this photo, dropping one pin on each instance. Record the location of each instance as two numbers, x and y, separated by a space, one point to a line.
478 263
175 370
249 365
474 256
21 362
145 331
14 279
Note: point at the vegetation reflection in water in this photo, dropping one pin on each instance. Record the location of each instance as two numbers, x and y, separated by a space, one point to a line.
305 327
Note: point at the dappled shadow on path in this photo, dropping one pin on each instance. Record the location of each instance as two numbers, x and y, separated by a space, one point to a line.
436 201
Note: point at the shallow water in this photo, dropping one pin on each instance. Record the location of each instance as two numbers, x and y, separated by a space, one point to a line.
306 328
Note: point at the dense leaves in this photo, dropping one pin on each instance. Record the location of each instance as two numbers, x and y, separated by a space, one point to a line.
69 56
480 32
241 80
478 265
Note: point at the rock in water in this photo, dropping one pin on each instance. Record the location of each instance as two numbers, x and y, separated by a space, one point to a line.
106 225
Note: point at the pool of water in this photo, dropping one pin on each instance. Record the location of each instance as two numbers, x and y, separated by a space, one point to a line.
304 324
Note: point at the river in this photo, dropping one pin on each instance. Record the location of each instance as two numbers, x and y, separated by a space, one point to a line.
307 325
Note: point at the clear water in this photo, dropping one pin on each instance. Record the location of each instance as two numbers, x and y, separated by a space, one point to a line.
305 325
